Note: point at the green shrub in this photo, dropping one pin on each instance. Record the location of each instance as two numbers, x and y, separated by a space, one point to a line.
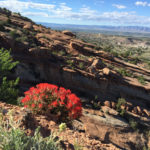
13 34
2 28
25 31
8 90
133 124
22 39
70 63
8 21
2 23
108 48
6 62
77 146
115 54
126 54
81 65
121 101
61 53
134 60
13 138
141 80
62 127
123 72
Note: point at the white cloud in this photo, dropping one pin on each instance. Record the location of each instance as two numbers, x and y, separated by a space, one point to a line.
87 10
62 11
19 6
140 3
119 6
42 14
98 2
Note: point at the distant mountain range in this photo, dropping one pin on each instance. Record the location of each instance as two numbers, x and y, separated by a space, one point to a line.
97 28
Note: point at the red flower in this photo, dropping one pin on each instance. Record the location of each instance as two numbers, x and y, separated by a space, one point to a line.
50 97
25 99
54 104
33 105
69 105
61 103
40 105
62 97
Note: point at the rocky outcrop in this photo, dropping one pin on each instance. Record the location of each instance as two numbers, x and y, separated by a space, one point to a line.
92 131
53 56
66 32
28 26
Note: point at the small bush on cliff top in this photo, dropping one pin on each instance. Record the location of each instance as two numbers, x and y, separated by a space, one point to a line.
48 98
8 90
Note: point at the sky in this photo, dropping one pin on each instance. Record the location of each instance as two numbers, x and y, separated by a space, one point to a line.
84 12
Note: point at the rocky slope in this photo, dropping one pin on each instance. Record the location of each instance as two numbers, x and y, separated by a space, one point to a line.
58 57
92 131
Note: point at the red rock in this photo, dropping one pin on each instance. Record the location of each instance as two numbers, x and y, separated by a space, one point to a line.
135 110
123 107
52 123
69 33
27 26
97 63
113 104
99 113
146 112
106 71
107 103
139 110
127 108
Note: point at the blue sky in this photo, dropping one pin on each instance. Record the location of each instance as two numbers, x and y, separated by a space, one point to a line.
86 12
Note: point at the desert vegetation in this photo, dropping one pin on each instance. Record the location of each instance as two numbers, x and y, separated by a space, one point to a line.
44 99
8 88
134 50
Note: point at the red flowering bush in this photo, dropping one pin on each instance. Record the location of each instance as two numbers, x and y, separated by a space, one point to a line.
49 98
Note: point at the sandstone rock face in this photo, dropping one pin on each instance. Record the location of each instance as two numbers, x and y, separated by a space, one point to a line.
107 109
107 103
95 77
106 71
81 82
102 128
28 26
97 63
66 32
76 46
146 112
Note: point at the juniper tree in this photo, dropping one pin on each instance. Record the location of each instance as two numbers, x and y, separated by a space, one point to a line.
8 90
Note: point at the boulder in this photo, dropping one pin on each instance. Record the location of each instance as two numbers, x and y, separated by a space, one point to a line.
97 63
139 110
146 112
106 71
69 33
27 26
107 103
112 130
111 111
113 104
